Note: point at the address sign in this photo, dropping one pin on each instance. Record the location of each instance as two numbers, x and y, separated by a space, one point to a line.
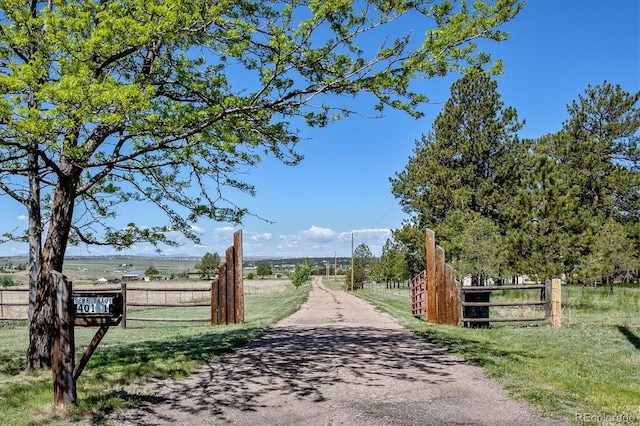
88 305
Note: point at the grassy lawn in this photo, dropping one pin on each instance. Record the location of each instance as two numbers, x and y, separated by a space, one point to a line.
128 358
590 365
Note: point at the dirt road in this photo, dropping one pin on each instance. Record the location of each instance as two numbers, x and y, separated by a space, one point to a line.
337 361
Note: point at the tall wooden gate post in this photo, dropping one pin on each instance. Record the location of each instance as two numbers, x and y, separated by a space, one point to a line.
441 289
231 286
239 280
227 299
432 307
63 345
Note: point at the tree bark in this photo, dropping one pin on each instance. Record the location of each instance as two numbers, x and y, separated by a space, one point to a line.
52 259
39 351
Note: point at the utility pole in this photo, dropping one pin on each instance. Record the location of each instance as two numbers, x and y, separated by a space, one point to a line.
335 266
352 272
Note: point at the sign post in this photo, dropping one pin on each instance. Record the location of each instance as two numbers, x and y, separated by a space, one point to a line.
87 309
95 309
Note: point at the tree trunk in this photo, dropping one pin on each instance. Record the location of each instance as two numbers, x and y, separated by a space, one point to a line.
610 285
52 259
39 351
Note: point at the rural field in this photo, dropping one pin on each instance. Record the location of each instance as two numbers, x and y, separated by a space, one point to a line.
128 358
586 371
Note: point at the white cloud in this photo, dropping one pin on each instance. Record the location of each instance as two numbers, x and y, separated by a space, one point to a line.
265 236
318 234
22 218
198 230
317 241
224 232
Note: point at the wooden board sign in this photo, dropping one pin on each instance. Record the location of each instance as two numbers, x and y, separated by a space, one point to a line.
90 305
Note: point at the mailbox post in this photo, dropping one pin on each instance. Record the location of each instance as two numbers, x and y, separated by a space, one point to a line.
95 309
82 309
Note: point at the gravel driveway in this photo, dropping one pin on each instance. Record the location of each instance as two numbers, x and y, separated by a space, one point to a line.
337 361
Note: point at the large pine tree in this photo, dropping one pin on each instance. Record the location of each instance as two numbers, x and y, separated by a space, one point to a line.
462 171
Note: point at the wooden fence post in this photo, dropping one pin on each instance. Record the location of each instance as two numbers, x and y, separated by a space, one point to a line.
231 286
441 290
553 302
453 308
63 345
222 294
123 290
430 294
556 303
239 279
215 319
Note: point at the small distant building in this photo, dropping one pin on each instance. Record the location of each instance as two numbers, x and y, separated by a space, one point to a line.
193 274
108 280
156 277
133 276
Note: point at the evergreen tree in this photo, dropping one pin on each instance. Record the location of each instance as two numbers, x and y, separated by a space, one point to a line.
208 266
596 153
362 262
465 166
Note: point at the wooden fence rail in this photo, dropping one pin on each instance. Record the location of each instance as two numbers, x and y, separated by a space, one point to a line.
438 297
224 295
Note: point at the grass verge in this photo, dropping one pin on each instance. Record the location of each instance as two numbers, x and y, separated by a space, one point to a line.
590 367
128 358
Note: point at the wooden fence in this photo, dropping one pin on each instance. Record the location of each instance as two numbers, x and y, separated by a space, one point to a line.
227 300
439 298
435 294
224 296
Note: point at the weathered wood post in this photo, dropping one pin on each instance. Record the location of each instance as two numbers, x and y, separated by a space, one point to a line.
441 290
239 279
222 294
227 298
431 302
63 345
556 303
231 286
123 290
214 302
453 305
553 302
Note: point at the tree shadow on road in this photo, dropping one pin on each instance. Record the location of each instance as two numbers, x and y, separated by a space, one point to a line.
302 363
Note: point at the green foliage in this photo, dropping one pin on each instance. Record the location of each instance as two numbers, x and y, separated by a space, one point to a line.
250 276
6 280
461 177
103 104
472 244
392 267
362 267
264 269
122 103
208 266
302 274
546 207
151 271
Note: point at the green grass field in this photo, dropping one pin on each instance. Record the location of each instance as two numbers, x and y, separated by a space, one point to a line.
590 366
128 358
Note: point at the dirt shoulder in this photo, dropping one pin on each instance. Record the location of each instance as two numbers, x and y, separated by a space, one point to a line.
337 361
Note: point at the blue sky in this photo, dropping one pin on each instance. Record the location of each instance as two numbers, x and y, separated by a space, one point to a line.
556 49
